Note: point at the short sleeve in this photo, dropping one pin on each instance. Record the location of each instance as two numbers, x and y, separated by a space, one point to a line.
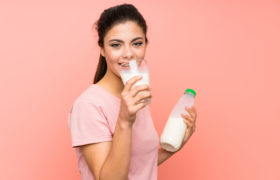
88 124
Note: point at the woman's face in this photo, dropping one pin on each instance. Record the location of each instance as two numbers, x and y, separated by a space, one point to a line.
122 43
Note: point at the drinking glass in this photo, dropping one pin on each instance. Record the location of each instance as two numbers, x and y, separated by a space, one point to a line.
135 68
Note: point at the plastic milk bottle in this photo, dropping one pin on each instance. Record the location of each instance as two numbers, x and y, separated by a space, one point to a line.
175 128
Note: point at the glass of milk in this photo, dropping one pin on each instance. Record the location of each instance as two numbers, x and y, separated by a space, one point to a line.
133 68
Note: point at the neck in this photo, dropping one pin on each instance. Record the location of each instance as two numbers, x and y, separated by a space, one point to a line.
112 83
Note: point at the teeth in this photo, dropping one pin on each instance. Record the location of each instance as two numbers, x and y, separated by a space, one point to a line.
124 64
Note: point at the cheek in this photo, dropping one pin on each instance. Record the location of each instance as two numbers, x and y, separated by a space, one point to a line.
115 55
141 53
112 62
116 69
112 53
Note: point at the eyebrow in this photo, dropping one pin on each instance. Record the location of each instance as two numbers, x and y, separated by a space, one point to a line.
118 40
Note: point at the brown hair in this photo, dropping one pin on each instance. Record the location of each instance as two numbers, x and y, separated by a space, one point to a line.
109 18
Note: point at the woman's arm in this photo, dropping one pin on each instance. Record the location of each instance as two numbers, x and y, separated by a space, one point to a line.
116 165
110 160
163 155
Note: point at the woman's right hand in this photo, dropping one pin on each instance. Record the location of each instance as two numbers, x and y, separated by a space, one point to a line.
130 100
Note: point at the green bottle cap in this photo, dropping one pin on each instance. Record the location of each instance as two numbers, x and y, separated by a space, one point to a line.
191 91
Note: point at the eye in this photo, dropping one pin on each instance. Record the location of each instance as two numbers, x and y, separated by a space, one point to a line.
115 45
138 43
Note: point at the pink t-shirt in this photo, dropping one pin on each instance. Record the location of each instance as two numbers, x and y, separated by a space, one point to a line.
93 118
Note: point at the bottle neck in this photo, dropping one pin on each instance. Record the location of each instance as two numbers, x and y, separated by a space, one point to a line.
189 94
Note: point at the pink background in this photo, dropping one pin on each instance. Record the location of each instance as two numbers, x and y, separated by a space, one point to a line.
228 51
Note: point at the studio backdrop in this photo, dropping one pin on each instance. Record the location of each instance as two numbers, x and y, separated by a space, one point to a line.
228 51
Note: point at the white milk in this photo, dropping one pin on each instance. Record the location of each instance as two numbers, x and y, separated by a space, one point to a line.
126 75
177 128
134 71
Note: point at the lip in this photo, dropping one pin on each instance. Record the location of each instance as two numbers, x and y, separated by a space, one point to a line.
126 62
121 63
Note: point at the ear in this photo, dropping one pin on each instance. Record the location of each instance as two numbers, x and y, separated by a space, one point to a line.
102 52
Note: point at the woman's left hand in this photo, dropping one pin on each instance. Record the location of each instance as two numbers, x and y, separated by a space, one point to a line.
190 120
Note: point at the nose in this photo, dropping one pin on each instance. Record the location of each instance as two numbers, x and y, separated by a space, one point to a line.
128 53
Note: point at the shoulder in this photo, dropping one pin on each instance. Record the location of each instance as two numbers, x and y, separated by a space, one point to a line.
87 106
95 101
91 95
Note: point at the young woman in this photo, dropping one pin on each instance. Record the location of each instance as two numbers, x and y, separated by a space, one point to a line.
112 131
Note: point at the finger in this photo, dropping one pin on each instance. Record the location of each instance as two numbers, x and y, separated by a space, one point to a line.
140 106
189 123
139 97
190 111
131 82
186 116
139 88
194 111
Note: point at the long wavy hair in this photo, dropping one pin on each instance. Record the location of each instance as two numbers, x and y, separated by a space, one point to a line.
109 18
